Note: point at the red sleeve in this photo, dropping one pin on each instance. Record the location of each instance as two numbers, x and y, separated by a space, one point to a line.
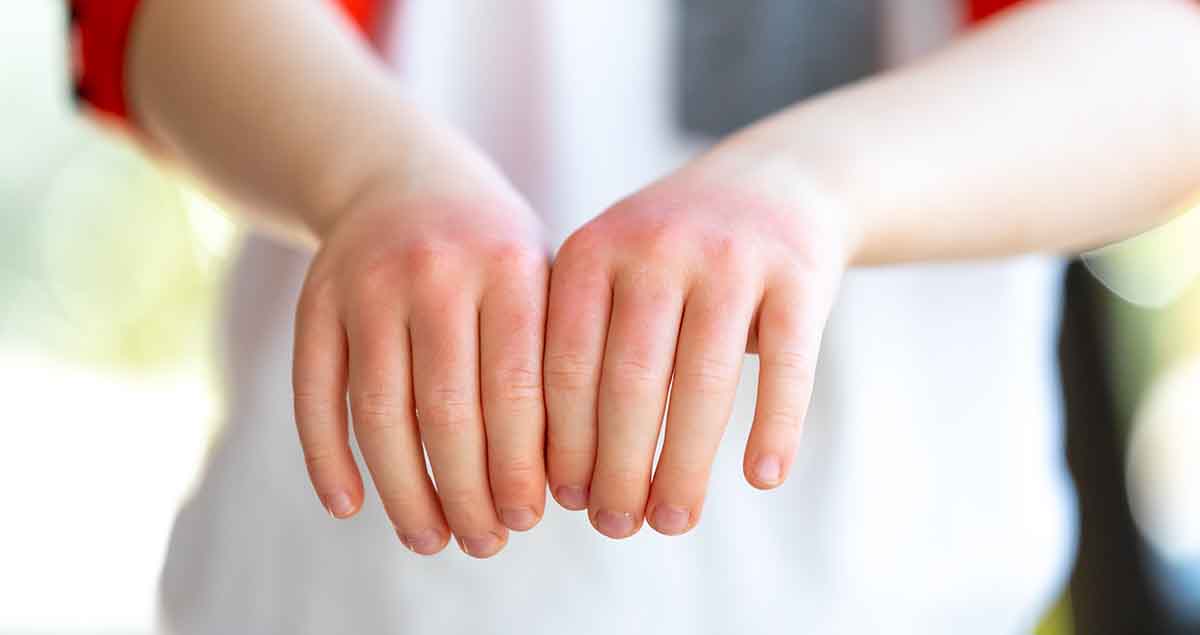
980 10
100 37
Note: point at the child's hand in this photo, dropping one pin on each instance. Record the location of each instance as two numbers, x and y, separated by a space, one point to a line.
429 310
670 288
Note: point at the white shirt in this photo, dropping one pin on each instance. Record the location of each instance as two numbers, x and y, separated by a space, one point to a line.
930 494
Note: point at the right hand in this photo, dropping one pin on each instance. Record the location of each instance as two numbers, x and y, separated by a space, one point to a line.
428 307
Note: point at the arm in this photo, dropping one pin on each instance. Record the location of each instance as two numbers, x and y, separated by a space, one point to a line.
1060 127
282 107
427 294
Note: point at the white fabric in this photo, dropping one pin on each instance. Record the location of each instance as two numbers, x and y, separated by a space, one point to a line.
930 495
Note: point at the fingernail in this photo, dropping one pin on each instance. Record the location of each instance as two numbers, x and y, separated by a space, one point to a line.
519 519
424 542
339 505
480 546
614 524
768 470
572 497
671 520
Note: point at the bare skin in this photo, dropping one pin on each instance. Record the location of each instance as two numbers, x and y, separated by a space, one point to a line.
1026 136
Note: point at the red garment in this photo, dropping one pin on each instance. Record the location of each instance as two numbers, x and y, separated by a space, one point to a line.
101 28
100 36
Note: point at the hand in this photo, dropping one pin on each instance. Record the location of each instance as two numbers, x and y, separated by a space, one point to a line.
668 289
429 308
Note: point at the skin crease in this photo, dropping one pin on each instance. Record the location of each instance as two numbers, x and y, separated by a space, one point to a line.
431 301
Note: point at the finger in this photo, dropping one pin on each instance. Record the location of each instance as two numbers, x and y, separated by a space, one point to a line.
445 343
319 398
576 326
512 323
384 422
790 323
708 361
633 388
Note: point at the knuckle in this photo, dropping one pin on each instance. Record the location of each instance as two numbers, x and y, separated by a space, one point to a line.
708 374
377 275
428 258
632 376
784 418
580 244
450 411
318 292
583 254
780 319
518 474
517 383
791 366
658 238
320 460
378 411
518 258
571 372
312 409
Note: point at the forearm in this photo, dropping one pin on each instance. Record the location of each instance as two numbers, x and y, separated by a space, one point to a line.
1064 126
280 106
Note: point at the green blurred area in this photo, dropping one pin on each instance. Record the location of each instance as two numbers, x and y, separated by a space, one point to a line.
105 258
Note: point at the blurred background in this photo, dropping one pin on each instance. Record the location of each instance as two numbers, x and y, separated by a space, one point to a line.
110 278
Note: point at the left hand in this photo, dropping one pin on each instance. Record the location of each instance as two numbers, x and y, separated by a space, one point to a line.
668 289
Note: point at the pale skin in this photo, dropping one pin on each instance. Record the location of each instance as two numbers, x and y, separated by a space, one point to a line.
1026 136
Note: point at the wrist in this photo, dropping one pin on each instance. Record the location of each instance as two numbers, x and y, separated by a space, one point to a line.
412 156
802 186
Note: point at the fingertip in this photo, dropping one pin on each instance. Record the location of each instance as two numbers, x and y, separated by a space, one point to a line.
341 505
615 525
572 497
520 518
483 546
766 472
671 520
426 542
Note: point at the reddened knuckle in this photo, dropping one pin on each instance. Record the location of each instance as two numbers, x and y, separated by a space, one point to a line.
429 259
519 258
661 239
